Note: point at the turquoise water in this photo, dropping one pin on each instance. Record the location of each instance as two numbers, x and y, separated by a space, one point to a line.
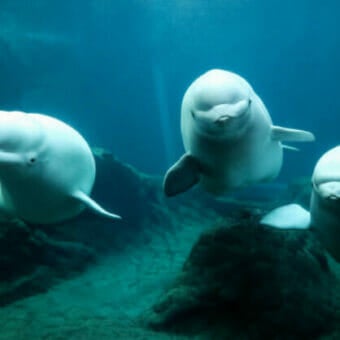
117 72
93 64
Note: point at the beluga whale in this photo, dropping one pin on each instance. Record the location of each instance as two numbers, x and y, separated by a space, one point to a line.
228 136
324 212
47 170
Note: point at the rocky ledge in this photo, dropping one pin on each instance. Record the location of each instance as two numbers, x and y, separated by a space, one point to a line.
249 280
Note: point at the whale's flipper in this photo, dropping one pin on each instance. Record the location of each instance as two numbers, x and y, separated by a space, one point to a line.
291 148
183 175
291 216
93 205
291 135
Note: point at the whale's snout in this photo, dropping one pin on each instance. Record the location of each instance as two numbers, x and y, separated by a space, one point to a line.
330 190
224 112
222 119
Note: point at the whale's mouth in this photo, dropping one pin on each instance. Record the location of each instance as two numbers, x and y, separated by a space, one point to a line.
225 112
333 197
329 190
222 117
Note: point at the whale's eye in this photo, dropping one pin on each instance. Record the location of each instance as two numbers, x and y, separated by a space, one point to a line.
32 160
193 115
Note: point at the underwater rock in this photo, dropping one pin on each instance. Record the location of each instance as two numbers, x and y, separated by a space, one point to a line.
249 278
30 261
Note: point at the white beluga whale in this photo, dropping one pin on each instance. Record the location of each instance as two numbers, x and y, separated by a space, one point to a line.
47 170
228 136
324 214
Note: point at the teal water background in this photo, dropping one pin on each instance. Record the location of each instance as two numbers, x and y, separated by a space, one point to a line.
117 70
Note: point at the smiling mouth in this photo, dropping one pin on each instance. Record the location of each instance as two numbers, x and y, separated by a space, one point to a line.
218 121
222 119
237 110
333 197
329 190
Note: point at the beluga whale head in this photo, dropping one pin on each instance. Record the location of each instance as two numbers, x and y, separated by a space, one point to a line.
47 170
326 176
218 103
20 137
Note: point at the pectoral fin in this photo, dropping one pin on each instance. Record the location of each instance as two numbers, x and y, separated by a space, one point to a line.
291 216
183 175
10 158
93 205
291 148
291 135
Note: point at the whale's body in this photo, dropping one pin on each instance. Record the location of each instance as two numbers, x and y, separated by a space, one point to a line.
228 137
47 169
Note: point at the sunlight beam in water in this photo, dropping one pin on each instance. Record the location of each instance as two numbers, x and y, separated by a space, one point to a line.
163 109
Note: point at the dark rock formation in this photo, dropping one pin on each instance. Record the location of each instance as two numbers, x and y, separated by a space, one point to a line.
252 280
30 261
